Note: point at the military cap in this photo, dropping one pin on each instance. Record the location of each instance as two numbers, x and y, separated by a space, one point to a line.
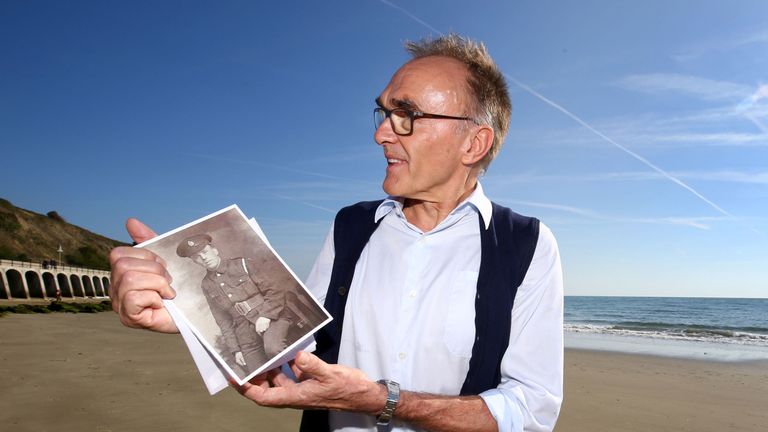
192 245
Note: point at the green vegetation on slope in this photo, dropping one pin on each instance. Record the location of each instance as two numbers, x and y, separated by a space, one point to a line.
30 236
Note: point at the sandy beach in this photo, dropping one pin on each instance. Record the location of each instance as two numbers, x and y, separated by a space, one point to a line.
85 372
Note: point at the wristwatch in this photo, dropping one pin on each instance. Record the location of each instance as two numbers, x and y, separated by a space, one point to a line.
393 396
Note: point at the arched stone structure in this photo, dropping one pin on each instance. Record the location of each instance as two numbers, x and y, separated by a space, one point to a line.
63 281
49 282
77 287
88 286
97 286
16 284
26 280
34 286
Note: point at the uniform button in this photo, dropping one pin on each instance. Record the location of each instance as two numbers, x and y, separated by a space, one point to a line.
342 290
241 280
221 284
229 295
218 274
401 355
412 293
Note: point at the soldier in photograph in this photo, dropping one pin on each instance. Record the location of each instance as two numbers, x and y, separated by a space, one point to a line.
250 310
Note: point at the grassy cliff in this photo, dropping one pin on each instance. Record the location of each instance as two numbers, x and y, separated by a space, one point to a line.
30 236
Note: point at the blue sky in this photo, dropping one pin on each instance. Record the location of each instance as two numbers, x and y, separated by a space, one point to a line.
639 132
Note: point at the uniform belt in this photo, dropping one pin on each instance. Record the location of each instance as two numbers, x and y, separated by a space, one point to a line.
245 306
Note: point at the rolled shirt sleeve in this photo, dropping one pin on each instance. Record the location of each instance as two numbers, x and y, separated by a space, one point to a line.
531 389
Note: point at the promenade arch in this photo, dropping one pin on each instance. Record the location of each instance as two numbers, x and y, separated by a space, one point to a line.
34 286
49 282
97 286
77 287
3 292
66 291
15 284
105 282
88 286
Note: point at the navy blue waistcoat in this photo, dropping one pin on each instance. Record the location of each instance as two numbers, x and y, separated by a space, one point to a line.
507 247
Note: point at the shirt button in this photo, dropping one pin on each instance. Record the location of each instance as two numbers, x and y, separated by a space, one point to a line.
401 355
412 293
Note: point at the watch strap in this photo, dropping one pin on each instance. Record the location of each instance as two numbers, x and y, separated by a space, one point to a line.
393 397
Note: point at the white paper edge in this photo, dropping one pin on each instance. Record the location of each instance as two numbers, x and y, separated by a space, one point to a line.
209 370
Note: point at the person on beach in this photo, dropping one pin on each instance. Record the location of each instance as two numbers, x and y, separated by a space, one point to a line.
250 311
447 307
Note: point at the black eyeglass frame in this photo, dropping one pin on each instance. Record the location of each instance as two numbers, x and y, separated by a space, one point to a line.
413 115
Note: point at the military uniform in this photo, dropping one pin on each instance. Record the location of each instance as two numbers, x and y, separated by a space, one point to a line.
238 297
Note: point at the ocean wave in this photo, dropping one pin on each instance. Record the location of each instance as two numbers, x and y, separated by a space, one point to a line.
696 333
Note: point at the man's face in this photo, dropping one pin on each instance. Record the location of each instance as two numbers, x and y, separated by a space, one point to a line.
208 257
426 165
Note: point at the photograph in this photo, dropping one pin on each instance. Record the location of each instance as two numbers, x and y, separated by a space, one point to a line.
235 293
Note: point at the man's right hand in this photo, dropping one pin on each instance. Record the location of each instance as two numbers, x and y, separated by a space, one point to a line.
240 358
140 282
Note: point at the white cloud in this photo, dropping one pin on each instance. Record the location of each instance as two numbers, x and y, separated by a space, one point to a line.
703 88
760 36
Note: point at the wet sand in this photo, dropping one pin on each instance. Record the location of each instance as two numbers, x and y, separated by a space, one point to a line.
85 372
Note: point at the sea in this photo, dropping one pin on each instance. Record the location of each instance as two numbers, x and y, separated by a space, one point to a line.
723 329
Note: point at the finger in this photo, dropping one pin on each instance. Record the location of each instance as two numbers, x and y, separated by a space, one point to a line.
138 231
132 252
310 365
296 371
270 396
123 261
250 390
133 280
260 380
145 309
279 379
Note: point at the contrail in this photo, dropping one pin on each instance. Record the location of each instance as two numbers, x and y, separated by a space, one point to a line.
580 121
411 16
648 163
304 202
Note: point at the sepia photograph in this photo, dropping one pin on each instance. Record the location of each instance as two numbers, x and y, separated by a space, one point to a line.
235 293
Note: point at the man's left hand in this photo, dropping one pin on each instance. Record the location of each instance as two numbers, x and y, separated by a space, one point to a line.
321 386
262 324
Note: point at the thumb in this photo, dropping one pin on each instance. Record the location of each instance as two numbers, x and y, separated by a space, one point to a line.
311 365
138 231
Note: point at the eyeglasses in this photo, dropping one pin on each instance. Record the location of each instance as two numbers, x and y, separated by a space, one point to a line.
402 119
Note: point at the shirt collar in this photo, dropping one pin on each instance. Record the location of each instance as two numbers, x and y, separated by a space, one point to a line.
476 200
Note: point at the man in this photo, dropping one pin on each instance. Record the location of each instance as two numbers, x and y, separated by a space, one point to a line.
250 311
435 288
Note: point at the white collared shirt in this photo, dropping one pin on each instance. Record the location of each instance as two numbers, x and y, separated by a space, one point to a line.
410 316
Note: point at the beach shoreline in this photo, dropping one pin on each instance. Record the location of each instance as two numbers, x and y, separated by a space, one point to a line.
86 372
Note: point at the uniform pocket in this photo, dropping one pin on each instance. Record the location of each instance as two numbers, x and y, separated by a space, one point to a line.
459 334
